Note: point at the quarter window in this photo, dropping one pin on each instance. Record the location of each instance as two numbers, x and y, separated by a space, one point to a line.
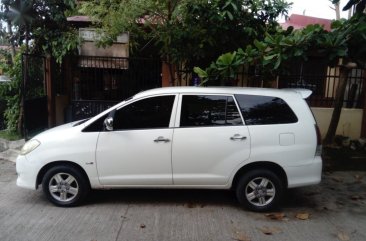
152 112
209 110
265 110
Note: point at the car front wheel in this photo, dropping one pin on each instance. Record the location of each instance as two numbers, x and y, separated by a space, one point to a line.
259 190
65 186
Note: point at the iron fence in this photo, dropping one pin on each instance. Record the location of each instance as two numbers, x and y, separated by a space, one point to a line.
322 80
113 78
34 95
82 109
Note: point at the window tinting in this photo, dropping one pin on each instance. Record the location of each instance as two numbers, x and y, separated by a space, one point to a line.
152 112
265 110
97 125
208 110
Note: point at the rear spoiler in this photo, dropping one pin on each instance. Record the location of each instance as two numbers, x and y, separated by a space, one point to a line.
305 93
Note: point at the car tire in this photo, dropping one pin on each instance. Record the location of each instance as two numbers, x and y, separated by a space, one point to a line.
259 190
65 186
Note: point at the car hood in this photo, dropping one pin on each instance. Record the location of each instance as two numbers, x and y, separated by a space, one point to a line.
59 131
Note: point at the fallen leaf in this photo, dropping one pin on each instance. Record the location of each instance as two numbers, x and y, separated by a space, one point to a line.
356 197
142 226
275 216
190 205
337 179
343 236
270 230
303 216
358 177
241 237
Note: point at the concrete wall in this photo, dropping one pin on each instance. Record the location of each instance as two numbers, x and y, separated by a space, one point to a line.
349 123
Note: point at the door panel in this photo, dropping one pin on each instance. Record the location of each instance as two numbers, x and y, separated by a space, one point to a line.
207 156
134 158
138 149
211 140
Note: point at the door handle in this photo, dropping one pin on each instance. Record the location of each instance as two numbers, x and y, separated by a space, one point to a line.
161 138
238 137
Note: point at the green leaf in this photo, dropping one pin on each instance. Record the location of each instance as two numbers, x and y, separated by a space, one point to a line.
260 45
269 57
200 72
231 17
226 59
277 64
235 8
298 52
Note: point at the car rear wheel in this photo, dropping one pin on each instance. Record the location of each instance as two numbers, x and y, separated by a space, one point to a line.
65 186
259 190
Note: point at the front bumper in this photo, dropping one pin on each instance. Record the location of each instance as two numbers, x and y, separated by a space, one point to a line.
27 173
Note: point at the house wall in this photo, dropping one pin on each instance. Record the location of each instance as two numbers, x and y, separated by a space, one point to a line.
350 122
89 47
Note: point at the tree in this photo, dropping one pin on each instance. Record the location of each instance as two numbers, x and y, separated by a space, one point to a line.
336 8
345 42
356 55
41 23
186 31
359 4
41 27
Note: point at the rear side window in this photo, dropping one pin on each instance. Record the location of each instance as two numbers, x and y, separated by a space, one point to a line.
265 110
209 110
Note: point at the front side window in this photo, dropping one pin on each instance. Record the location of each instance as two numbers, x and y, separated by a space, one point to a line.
265 110
152 112
209 110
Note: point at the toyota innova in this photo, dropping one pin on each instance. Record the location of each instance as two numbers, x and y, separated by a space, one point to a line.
257 142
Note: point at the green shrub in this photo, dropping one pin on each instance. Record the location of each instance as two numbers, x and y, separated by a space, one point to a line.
10 92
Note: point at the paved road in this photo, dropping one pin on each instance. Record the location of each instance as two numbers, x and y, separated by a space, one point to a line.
337 210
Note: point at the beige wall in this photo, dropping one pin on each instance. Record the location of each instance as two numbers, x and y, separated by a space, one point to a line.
349 123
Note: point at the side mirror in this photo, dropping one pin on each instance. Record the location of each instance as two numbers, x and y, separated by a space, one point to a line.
108 123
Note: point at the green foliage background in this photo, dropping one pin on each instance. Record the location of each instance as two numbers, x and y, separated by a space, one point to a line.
37 27
10 92
186 30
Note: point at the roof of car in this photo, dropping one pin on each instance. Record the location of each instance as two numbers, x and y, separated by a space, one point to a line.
225 90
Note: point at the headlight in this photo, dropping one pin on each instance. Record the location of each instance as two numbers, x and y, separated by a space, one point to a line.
29 146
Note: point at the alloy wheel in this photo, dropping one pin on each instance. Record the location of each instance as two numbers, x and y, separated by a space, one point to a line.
260 191
63 187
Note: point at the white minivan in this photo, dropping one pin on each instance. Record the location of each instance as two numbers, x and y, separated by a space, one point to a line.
257 142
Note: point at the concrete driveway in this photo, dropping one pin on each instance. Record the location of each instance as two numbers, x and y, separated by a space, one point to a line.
334 210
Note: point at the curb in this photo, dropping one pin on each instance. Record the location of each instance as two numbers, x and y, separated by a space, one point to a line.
9 150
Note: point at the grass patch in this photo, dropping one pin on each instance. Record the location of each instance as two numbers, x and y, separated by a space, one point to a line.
10 136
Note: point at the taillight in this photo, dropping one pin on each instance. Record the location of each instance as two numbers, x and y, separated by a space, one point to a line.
318 150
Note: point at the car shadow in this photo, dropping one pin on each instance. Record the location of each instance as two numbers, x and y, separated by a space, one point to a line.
164 196
301 198
294 198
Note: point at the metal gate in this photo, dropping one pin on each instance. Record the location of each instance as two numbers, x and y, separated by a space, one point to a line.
34 95
100 82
